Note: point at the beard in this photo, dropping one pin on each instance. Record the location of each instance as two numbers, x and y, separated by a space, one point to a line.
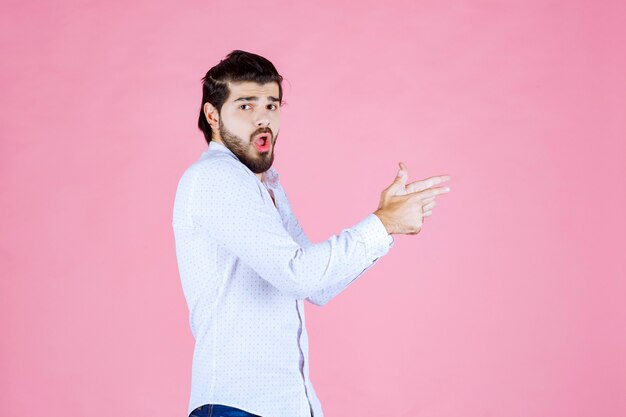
247 154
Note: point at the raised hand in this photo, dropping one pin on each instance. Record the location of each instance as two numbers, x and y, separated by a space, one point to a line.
403 206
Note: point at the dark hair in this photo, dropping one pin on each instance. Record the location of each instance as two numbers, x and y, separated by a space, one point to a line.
237 66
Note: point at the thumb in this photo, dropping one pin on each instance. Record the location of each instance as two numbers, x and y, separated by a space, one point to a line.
400 181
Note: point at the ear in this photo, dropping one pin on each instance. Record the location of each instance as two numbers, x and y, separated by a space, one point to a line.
211 114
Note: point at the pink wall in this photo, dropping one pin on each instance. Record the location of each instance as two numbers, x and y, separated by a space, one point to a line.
508 303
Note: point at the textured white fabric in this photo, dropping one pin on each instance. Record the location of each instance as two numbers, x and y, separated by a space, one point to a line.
246 266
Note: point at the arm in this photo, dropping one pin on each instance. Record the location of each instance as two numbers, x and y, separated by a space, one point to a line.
323 296
227 201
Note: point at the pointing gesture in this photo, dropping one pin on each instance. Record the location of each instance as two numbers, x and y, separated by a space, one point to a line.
403 206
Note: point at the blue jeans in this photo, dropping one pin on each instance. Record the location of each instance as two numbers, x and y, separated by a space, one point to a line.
219 410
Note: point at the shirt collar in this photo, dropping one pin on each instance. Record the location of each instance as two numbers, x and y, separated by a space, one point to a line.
270 176
218 147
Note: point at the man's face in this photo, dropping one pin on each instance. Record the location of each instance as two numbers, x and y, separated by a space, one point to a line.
249 123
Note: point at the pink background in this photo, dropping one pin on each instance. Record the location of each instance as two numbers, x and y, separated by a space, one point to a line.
510 302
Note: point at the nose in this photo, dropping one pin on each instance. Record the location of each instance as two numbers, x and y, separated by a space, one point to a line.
263 119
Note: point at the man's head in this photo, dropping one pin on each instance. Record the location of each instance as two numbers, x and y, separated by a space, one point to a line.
241 99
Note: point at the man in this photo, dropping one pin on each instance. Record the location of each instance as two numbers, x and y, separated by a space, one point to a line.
246 265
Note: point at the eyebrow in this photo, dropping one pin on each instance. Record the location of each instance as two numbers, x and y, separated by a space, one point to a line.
254 98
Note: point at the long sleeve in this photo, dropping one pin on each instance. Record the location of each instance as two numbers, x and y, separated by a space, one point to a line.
323 296
226 200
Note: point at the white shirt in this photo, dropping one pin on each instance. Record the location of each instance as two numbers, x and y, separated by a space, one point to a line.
246 267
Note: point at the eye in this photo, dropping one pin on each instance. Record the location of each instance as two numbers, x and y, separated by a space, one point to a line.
243 105
275 106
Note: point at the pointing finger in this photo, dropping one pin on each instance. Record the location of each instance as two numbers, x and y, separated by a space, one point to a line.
426 183
430 192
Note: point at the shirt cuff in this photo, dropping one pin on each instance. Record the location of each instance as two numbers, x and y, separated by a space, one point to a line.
375 237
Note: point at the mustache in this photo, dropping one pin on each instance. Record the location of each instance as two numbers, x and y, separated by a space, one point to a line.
263 130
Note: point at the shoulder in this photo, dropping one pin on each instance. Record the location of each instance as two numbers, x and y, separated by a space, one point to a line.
220 176
217 169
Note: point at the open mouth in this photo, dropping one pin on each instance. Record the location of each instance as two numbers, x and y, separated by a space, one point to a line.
262 142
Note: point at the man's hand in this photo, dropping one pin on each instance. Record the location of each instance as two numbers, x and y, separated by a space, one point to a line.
403 206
